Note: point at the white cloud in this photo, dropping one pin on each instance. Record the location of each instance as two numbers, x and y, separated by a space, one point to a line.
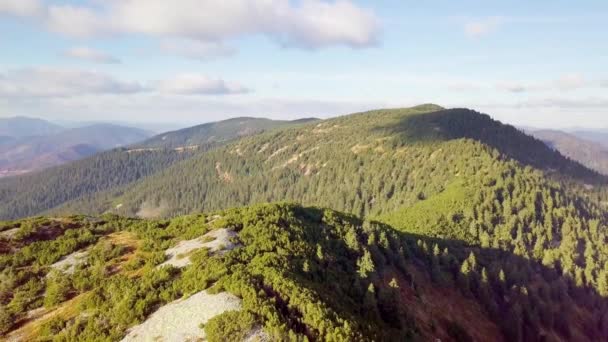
199 50
55 82
571 81
194 84
91 55
22 8
318 24
482 27
305 24
76 21
50 82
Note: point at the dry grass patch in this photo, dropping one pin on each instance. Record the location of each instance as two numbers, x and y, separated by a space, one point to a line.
30 328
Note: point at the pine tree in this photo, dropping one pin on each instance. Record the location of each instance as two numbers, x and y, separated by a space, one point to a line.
365 264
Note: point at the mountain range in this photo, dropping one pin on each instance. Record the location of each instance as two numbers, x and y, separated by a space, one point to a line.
419 223
34 144
19 127
580 147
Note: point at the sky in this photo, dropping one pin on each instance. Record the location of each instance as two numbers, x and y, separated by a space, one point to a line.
531 63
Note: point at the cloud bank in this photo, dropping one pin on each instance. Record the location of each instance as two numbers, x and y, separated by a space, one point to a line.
309 24
47 82
58 82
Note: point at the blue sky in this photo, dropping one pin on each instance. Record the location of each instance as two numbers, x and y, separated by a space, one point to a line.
537 63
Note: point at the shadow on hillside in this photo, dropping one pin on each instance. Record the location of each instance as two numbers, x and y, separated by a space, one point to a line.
464 123
526 300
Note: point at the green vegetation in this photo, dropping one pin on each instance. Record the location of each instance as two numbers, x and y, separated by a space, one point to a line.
368 164
114 171
303 273
34 193
442 224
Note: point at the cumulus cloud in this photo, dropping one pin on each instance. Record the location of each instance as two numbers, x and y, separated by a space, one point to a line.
91 55
482 27
22 8
56 82
305 24
194 84
199 50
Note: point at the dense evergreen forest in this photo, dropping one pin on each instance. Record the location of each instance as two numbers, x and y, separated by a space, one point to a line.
367 164
302 273
32 194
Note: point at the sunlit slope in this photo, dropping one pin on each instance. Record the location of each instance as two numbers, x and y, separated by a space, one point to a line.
369 164
112 171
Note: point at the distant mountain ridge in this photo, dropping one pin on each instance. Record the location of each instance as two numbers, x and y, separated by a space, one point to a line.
19 126
590 153
599 136
26 154
216 132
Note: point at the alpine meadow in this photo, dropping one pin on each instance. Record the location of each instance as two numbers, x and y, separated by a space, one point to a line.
257 170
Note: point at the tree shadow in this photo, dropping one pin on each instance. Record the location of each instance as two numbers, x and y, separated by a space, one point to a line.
461 123
526 300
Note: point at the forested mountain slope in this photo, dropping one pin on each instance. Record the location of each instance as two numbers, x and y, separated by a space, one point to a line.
368 164
592 154
34 193
216 132
448 174
297 272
